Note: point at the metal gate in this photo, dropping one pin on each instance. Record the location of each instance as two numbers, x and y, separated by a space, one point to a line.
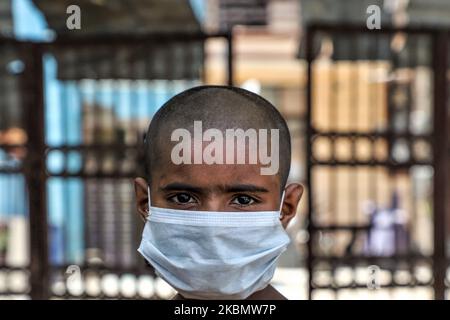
83 105
368 142
378 158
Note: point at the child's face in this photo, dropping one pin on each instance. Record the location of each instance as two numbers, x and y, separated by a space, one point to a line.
223 187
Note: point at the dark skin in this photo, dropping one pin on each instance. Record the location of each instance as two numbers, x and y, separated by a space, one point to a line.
218 188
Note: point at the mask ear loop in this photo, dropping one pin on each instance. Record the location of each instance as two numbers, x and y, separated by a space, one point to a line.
149 202
281 205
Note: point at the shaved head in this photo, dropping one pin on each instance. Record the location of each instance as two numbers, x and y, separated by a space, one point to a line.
218 107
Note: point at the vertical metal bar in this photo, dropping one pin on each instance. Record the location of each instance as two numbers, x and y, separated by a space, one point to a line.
203 77
354 114
413 64
35 172
373 119
230 59
440 159
309 135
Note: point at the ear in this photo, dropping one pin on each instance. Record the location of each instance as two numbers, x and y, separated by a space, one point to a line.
140 189
292 196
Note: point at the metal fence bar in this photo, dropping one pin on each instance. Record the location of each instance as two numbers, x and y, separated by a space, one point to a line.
35 172
230 59
309 135
441 161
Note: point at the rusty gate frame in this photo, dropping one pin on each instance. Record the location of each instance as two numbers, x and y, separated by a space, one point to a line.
440 137
32 101
33 105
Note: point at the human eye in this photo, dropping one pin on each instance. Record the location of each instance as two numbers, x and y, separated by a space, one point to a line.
182 198
244 200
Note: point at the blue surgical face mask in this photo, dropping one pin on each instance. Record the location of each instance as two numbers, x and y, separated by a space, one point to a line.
214 255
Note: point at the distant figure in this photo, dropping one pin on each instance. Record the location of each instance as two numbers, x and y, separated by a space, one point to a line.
387 234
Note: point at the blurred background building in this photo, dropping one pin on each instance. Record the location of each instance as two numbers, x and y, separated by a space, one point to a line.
371 142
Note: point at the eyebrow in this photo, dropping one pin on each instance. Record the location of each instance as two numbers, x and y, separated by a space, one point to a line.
182 186
227 188
245 188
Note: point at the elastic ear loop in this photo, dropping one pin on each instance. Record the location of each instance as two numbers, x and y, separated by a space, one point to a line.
281 204
149 202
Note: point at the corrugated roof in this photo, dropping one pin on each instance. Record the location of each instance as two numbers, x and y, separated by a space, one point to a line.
123 19
122 16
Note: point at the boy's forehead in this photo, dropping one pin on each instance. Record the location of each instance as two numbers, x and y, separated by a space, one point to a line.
233 155
211 176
